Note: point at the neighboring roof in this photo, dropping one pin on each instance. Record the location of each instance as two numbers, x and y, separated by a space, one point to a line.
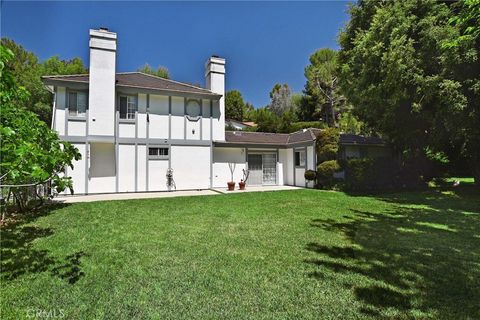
245 123
302 136
136 80
355 139
249 123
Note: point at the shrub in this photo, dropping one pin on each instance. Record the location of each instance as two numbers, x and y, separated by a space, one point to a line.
310 175
379 174
325 171
359 174
327 144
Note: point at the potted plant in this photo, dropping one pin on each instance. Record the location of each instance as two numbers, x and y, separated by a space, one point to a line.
243 182
310 175
231 183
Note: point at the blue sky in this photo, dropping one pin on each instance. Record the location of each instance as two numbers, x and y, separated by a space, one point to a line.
263 42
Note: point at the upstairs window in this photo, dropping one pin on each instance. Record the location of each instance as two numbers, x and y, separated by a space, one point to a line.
128 107
77 103
300 158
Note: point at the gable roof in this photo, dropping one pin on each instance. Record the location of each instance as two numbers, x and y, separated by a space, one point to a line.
298 137
136 80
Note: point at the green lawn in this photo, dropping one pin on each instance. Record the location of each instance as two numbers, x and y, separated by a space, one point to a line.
274 255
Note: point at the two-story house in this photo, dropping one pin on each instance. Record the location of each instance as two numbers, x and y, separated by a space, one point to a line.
131 128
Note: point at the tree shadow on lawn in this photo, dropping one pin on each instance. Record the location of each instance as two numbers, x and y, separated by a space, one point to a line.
421 258
20 257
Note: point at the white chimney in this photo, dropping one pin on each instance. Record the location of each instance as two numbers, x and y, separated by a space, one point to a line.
101 98
215 82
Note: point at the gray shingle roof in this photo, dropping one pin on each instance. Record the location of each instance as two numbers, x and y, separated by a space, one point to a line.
360 140
306 135
243 137
136 80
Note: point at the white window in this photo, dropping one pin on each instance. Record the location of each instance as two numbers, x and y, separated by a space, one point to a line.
300 158
158 152
128 107
77 103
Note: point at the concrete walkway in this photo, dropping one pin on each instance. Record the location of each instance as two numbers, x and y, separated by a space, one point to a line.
150 195
257 189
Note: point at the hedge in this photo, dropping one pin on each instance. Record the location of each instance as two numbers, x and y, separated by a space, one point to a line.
379 174
325 171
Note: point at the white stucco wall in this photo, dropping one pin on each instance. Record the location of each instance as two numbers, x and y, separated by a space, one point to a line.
217 123
157 170
142 168
78 172
206 119
158 116
288 167
101 98
142 116
191 166
285 177
215 81
310 164
60 111
102 168
221 171
193 129
77 128
300 177
178 119
126 130
126 168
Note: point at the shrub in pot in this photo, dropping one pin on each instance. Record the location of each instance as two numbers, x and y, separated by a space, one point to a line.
310 175
325 171
243 182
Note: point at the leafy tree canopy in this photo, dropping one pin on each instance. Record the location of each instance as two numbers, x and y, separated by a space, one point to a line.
322 96
234 105
31 152
281 99
160 71
413 76
27 70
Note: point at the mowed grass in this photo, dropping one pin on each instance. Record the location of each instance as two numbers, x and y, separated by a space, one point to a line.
275 255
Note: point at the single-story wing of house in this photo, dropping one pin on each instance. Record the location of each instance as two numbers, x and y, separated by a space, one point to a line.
137 132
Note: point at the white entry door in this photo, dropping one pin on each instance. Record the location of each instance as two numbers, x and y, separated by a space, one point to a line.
262 169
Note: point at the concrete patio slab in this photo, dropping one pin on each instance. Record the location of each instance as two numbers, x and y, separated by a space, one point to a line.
257 189
151 195
133 195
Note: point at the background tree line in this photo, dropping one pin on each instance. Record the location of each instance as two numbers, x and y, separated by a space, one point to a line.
27 70
319 105
407 71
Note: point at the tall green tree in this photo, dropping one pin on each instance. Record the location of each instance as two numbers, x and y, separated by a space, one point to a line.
27 71
266 120
31 153
234 105
160 71
422 95
280 99
321 89
248 112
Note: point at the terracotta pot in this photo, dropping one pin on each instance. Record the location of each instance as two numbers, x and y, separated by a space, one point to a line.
241 185
231 186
